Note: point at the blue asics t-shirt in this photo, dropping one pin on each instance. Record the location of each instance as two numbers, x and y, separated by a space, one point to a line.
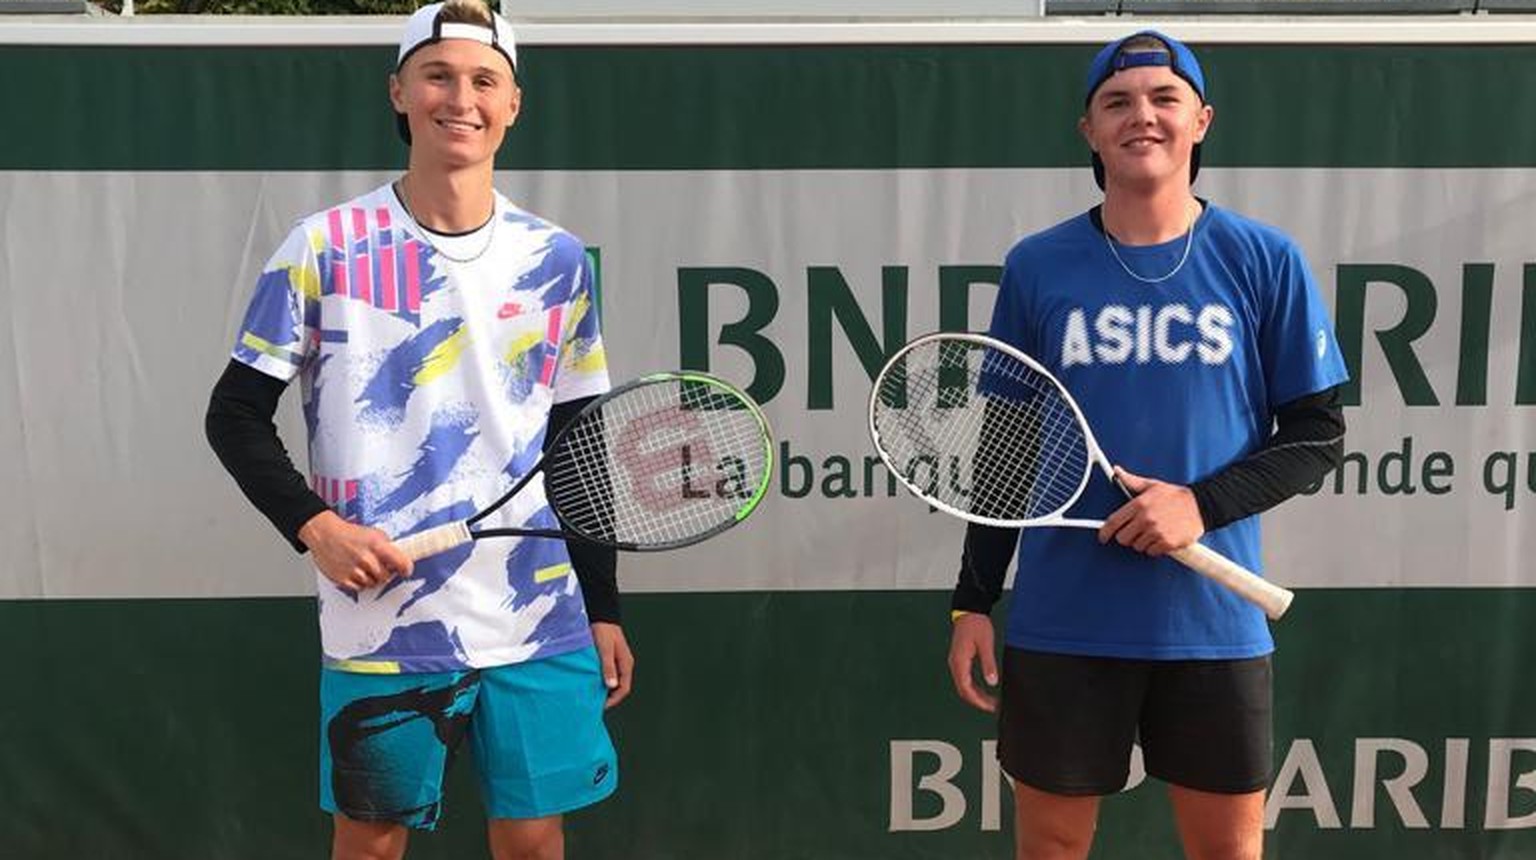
1178 379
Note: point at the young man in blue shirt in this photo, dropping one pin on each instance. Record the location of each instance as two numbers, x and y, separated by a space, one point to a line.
1196 343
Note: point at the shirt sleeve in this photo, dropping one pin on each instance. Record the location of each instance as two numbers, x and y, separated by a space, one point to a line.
583 365
1010 318
1300 352
282 322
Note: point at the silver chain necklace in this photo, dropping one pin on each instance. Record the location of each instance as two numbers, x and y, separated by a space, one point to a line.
1189 242
426 233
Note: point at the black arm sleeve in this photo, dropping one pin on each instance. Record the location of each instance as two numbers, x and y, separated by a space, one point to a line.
983 567
1307 443
989 549
239 427
596 566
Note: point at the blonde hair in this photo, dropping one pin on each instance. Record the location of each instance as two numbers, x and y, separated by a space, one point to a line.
466 12
1137 44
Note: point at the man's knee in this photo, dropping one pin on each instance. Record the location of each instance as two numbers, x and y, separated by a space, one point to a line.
527 839
368 840
1051 826
1234 849
1219 826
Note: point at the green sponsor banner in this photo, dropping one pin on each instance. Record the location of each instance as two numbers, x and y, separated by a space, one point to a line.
762 107
764 726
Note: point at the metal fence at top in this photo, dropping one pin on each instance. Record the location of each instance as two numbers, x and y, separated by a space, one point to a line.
956 9
592 11
1286 7
47 7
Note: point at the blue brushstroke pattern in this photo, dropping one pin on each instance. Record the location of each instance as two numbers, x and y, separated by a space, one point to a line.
524 219
436 456
524 460
431 281
312 314
386 394
519 377
531 556
559 259
312 405
424 638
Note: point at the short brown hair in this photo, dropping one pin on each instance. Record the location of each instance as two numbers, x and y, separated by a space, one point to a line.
465 12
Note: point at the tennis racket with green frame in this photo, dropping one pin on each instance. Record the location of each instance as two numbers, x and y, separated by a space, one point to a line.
661 462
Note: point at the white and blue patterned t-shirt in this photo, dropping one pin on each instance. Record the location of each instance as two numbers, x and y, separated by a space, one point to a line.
427 384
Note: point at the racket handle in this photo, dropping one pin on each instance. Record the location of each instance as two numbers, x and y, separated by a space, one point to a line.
1246 584
435 540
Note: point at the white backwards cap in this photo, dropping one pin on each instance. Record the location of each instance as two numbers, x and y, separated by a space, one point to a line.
425 27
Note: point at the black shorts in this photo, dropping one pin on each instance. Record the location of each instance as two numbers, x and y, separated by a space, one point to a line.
1067 723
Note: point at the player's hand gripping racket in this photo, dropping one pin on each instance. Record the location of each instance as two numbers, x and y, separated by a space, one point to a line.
662 462
979 430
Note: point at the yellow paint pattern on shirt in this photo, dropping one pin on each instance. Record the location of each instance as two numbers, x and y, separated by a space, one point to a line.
553 572
442 358
520 347
591 360
305 280
578 312
267 347
366 667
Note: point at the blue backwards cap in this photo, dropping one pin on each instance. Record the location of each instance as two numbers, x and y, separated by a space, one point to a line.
1114 58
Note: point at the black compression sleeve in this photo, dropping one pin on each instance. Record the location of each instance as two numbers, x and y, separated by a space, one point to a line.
240 429
596 566
1307 443
983 567
988 550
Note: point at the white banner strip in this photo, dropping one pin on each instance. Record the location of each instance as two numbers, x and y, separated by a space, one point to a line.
120 333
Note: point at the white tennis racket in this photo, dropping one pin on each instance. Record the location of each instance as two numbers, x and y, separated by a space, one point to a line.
981 431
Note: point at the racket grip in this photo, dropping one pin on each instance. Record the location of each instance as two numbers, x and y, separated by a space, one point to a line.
1246 584
435 540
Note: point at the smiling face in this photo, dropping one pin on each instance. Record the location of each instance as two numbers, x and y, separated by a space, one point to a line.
1144 122
459 97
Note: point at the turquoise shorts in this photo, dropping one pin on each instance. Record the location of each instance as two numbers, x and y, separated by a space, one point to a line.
535 731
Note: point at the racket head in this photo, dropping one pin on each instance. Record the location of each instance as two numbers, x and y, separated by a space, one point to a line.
980 430
661 462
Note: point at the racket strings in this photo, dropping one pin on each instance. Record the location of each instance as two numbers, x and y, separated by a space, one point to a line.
660 463
977 430
674 502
